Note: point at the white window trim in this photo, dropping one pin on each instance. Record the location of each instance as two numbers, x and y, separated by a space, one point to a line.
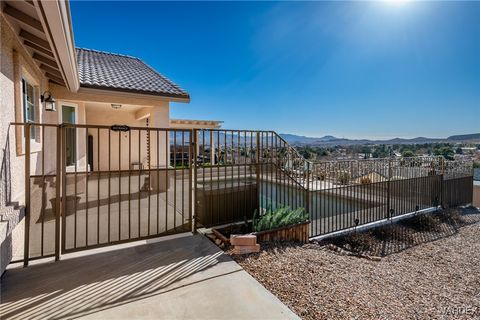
35 143
60 105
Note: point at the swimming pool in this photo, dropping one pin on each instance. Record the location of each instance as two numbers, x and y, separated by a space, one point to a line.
324 203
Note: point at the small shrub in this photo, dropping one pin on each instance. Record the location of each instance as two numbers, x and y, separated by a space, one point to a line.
392 232
424 222
280 217
358 242
451 216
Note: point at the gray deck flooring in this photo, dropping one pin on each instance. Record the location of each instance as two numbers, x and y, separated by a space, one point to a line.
183 278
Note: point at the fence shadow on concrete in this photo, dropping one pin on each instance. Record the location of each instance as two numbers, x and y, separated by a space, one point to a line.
82 285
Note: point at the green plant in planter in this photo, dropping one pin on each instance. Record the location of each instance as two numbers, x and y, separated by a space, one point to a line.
280 217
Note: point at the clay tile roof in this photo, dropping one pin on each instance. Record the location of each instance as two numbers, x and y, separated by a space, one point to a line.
110 71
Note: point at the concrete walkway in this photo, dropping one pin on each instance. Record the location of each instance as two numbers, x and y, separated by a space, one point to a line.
182 278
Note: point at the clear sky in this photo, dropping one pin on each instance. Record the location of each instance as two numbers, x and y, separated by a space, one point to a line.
349 69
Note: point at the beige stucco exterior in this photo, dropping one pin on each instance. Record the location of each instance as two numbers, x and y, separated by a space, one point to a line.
16 64
92 106
134 116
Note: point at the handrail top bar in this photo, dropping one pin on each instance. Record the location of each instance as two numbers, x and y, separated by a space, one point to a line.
236 130
135 127
94 126
33 124
287 144
383 159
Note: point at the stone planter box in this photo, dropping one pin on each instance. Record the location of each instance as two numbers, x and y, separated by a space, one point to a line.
295 233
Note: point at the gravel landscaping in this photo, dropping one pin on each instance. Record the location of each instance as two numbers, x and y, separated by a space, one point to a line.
436 279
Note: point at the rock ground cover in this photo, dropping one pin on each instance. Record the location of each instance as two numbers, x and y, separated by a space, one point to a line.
428 274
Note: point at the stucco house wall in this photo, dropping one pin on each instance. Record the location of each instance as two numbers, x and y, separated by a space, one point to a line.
16 63
158 118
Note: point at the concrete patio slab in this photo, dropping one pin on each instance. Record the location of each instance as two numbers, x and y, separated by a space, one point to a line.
182 278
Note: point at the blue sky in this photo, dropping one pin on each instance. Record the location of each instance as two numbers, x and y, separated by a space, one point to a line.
349 69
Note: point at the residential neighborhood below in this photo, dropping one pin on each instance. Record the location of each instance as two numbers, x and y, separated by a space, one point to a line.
465 147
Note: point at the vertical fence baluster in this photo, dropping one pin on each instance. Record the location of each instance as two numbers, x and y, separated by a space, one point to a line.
58 183
26 248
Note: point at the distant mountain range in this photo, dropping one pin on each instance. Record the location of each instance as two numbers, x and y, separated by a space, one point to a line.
332 141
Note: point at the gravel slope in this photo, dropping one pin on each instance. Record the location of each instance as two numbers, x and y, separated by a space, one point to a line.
418 283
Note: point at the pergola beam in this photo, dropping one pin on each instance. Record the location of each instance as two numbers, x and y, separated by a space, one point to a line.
143 113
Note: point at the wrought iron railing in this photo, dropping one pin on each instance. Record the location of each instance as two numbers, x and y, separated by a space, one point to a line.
130 183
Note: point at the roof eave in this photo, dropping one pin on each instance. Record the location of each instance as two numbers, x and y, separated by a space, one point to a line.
56 21
138 93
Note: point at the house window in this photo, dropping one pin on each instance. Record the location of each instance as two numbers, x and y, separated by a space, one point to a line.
29 105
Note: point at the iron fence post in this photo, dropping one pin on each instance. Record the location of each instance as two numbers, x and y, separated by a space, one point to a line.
442 183
388 187
26 248
307 189
58 183
63 186
258 172
194 171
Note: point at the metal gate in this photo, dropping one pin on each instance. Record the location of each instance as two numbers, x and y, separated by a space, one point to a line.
136 186
89 186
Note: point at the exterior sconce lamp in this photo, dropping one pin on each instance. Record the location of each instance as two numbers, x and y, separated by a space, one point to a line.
116 106
48 101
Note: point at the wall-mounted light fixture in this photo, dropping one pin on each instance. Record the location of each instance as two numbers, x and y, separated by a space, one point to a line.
48 101
116 106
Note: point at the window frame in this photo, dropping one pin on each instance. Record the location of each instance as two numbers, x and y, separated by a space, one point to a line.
30 117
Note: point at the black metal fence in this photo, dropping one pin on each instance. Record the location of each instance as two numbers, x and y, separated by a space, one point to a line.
88 186
240 172
254 170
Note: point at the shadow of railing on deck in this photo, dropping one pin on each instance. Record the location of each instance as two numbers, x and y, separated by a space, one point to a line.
79 286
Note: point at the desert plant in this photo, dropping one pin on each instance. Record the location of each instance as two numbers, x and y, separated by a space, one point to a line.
424 222
358 242
280 217
392 232
451 216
